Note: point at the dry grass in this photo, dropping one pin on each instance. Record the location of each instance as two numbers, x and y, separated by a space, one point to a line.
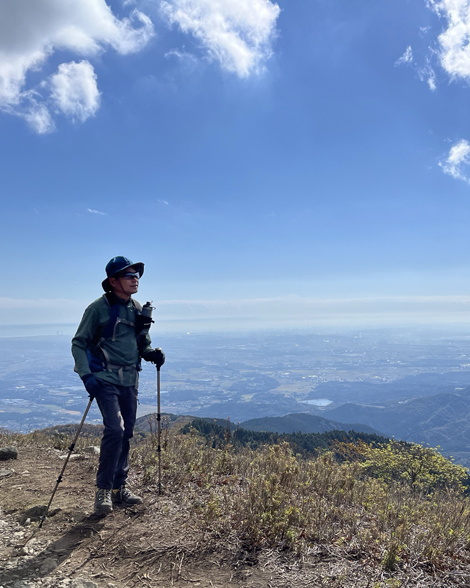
271 498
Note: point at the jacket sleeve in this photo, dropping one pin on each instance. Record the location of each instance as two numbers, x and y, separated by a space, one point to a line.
83 339
145 346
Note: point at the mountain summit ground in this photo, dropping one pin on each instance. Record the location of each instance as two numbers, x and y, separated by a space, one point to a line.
263 518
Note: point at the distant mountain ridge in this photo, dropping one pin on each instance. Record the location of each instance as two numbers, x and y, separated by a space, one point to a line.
292 423
304 423
440 420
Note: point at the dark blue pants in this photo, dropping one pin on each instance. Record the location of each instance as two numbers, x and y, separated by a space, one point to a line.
118 406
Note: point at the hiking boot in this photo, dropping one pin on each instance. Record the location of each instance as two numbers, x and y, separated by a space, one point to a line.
125 497
103 502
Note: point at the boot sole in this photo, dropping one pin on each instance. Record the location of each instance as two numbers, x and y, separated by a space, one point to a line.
103 509
122 503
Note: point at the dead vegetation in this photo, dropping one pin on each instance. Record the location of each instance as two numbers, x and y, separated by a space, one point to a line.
245 518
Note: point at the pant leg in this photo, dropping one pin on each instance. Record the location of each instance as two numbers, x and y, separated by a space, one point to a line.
111 443
128 405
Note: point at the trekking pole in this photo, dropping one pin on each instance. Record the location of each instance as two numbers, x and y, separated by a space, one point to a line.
59 479
71 448
159 448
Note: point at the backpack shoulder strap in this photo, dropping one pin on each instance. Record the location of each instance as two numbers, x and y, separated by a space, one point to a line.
137 305
113 307
108 331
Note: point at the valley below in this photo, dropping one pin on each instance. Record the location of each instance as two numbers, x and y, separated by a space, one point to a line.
411 385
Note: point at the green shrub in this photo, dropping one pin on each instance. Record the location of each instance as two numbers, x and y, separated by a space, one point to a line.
421 468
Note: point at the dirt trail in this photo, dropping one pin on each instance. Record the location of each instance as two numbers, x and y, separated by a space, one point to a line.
155 544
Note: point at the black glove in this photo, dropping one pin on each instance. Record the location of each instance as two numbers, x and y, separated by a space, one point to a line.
157 357
142 323
92 385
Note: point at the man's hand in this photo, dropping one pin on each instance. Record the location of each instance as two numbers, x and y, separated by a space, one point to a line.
92 385
157 357
142 323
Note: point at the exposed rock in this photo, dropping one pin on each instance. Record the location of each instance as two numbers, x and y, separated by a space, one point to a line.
73 457
4 472
93 449
36 513
8 453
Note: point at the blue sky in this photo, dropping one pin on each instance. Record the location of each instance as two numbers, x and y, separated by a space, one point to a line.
272 163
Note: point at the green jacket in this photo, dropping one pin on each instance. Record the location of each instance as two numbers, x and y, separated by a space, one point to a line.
121 352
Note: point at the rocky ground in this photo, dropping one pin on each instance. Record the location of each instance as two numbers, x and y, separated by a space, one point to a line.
158 544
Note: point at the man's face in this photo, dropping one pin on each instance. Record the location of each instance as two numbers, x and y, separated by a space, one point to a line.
126 283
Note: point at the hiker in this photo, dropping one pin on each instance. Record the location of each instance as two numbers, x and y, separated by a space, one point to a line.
108 346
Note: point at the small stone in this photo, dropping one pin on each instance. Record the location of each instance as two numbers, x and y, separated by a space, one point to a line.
73 457
81 583
4 473
93 449
8 453
48 566
78 516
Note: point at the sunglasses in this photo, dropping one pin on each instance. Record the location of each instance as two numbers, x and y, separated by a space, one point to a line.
130 276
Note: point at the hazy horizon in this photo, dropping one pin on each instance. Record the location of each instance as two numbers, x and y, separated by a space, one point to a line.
252 325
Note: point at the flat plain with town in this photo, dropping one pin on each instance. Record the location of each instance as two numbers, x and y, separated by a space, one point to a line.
410 384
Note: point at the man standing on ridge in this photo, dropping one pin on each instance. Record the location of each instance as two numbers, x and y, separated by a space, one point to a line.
108 346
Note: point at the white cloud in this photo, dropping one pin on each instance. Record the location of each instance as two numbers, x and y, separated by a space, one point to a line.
37 115
163 202
93 211
30 32
458 157
74 90
183 56
432 81
406 58
454 48
428 75
236 33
